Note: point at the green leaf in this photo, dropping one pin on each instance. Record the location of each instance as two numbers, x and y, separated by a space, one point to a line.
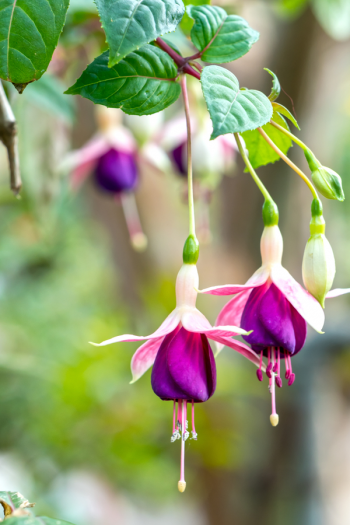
284 111
260 152
32 520
129 24
11 501
47 93
232 110
276 86
29 32
186 23
141 84
219 36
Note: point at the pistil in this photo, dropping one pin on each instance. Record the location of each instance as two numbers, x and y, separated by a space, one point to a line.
274 416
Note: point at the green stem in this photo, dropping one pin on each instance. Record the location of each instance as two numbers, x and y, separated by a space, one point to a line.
251 170
192 227
289 162
290 135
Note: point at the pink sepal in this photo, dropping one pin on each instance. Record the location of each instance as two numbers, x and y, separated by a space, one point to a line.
170 323
194 321
144 358
239 347
336 292
257 279
305 304
231 313
82 161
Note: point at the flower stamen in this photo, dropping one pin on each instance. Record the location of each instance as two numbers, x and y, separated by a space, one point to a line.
259 373
182 483
274 416
278 363
193 432
269 363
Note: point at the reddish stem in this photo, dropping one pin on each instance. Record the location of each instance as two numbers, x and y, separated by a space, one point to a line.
181 62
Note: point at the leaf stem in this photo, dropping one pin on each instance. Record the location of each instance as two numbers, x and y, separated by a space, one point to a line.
289 162
290 135
251 170
181 62
192 227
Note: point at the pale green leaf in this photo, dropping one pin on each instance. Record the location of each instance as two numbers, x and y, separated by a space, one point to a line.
129 24
260 152
284 111
276 86
141 84
220 37
29 32
232 110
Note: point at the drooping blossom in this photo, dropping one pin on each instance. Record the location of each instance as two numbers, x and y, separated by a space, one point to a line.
276 308
184 370
112 157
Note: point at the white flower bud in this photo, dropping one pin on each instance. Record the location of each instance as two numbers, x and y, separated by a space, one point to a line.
318 267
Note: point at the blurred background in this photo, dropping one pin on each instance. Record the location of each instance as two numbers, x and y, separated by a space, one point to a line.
75 436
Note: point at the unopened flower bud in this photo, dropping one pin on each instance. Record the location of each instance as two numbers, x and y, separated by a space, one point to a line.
327 181
318 263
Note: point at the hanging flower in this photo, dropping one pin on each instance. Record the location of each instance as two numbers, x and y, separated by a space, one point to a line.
275 308
184 368
112 157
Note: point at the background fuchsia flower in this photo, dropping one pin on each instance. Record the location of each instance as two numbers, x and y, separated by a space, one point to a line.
112 157
184 366
276 308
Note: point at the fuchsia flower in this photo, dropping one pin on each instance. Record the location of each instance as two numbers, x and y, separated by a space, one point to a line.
184 368
112 158
276 308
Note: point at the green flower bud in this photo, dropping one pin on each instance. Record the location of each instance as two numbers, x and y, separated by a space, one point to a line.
318 262
270 213
191 250
327 181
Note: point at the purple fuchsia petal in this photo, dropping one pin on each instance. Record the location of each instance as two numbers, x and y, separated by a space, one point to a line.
307 306
184 367
274 312
116 171
144 358
261 337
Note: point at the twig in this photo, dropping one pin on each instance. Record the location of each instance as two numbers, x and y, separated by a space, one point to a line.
8 135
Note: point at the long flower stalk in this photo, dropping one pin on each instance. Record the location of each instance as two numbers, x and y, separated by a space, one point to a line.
289 162
192 226
251 170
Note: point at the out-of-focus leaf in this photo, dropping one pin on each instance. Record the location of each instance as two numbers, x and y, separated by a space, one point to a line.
334 17
284 111
129 24
32 520
29 32
141 84
11 501
260 152
291 8
47 93
221 37
232 110
82 5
